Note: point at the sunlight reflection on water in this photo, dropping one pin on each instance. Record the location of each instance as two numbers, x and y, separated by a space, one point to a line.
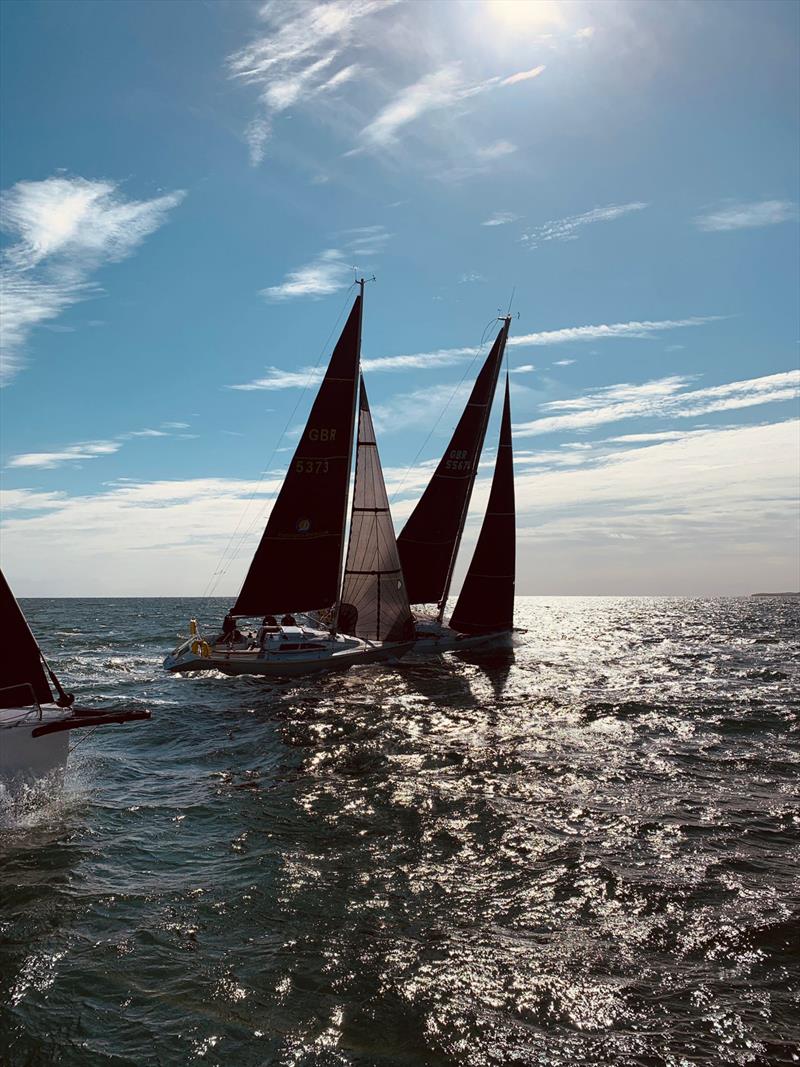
578 852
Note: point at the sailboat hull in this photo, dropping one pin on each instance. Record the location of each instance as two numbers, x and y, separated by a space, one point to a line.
433 639
27 754
323 654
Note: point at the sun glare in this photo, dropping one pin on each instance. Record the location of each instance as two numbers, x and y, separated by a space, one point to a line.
526 14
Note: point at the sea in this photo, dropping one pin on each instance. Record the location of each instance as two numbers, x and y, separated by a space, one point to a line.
580 851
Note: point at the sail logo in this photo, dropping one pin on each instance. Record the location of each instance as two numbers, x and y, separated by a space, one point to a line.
303 525
321 435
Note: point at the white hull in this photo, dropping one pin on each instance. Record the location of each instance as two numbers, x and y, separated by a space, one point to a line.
25 757
434 638
292 653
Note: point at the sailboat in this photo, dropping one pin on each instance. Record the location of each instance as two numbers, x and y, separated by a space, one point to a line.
430 539
35 725
319 610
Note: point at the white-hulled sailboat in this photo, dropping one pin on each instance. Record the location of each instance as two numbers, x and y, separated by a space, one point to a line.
299 576
430 539
35 725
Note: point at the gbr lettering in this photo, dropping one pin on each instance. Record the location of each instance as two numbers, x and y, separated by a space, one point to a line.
321 435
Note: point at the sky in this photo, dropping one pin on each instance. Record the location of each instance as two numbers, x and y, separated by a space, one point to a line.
188 187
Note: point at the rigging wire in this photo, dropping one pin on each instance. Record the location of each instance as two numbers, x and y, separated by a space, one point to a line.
229 555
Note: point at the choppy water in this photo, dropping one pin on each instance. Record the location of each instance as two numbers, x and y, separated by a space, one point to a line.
579 853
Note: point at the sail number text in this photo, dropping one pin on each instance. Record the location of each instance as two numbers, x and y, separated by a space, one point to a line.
323 434
311 466
458 460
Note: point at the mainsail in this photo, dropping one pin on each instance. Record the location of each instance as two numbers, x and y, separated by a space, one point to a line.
22 677
486 603
374 601
297 565
430 538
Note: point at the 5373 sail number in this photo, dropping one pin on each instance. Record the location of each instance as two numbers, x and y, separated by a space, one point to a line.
311 466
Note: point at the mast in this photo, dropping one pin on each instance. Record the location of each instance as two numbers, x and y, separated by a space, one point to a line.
340 577
430 539
463 520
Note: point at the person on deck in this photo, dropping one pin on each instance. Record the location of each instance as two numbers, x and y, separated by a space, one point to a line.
268 626
230 631
288 620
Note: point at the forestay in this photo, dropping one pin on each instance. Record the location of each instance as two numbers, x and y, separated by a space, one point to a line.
486 603
297 565
374 601
430 538
22 677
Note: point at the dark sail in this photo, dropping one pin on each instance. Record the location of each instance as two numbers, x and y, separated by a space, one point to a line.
486 603
297 564
374 602
430 538
21 668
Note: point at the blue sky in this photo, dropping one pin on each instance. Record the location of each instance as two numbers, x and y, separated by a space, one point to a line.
186 187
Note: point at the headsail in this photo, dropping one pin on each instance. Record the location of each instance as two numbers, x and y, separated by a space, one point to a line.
297 565
486 603
22 676
430 538
374 601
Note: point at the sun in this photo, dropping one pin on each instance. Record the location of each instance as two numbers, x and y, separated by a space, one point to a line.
526 14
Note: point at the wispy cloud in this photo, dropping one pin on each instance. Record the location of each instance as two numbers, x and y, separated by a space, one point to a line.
294 58
497 149
277 378
568 229
332 269
325 274
86 450
636 329
62 230
500 218
440 89
523 75
420 407
744 216
662 397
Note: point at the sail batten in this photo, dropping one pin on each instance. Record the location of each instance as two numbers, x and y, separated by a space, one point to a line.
297 565
22 676
431 537
374 601
486 602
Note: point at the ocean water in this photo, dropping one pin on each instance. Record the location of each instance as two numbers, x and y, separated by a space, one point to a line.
580 852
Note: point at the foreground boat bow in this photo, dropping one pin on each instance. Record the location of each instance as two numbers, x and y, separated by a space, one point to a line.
35 725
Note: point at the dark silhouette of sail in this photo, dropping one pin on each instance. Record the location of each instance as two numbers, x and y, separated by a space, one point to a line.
486 603
374 602
430 538
22 677
297 564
